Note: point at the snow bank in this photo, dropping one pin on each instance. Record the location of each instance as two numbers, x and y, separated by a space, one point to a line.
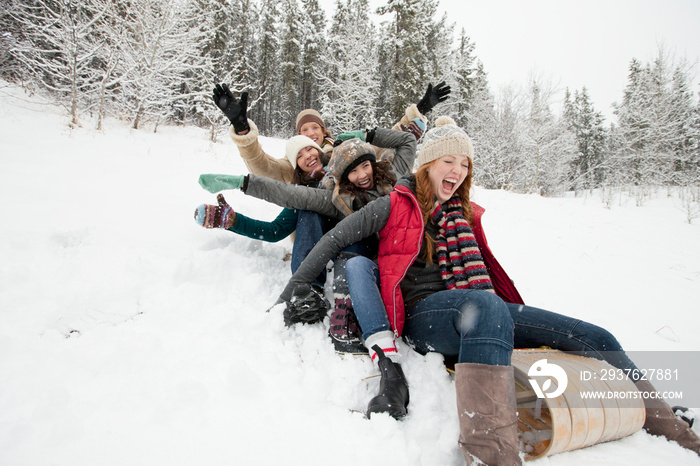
129 335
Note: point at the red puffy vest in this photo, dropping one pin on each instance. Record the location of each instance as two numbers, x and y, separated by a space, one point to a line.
399 245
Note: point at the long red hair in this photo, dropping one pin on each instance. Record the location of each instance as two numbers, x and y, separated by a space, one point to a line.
426 200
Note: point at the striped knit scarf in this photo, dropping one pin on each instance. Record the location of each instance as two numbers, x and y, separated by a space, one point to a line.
461 264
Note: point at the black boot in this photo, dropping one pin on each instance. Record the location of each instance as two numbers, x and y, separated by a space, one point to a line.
307 306
393 389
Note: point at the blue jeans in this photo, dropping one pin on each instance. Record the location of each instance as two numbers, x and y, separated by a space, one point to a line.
310 228
437 324
536 327
474 325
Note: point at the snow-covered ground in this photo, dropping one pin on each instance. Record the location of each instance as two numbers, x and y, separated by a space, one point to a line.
130 335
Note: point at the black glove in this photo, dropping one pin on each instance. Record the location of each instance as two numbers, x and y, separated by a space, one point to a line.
433 96
369 137
235 110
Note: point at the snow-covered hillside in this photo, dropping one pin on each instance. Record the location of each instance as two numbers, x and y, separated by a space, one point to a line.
130 335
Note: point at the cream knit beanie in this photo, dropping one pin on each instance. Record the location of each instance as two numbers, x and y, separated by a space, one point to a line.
445 138
297 143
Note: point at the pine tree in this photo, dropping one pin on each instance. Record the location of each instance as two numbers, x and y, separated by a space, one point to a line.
587 126
464 82
409 60
548 145
441 61
503 170
654 115
481 123
241 45
206 28
314 44
350 84
267 69
685 130
290 65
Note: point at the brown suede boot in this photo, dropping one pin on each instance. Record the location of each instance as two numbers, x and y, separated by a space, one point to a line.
488 428
661 420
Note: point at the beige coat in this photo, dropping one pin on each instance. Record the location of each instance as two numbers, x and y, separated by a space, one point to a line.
261 163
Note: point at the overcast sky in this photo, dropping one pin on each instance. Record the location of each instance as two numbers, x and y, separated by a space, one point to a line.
574 43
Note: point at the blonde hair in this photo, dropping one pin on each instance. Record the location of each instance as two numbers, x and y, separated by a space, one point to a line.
426 201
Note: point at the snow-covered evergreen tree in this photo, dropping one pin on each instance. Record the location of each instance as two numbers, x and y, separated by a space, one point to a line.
290 66
205 25
656 124
683 113
502 145
239 62
441 62
463 80
314 44
587 125
482 124
409 63
548 146
267 71
350 84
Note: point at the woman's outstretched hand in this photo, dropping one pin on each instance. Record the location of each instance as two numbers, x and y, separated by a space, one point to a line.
215 216
235 110
433 96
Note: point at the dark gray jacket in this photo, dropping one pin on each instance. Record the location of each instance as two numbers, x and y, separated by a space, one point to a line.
321 200
422 278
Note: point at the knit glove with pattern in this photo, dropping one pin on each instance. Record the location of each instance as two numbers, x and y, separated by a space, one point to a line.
212 216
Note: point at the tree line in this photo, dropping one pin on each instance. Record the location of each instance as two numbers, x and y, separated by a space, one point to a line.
156 62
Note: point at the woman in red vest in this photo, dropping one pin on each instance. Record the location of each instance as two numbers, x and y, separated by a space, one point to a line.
437 285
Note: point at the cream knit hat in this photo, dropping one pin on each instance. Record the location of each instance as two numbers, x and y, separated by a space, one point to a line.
297 143
446 138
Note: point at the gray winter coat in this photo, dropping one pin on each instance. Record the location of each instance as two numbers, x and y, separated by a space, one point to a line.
364 223
320 200
422 279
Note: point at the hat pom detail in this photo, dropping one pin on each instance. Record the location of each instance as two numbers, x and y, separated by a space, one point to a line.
443 121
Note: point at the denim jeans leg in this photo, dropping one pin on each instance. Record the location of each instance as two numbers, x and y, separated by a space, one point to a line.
536 327
475 325
310 229
363 281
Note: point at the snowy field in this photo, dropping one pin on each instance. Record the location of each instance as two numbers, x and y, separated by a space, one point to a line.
130 335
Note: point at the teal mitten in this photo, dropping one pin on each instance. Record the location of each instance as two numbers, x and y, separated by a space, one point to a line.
216 183
351 135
